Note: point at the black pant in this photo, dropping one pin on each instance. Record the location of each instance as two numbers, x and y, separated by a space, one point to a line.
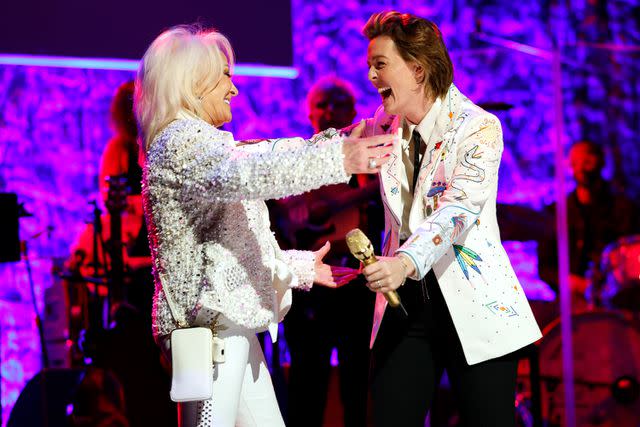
410 355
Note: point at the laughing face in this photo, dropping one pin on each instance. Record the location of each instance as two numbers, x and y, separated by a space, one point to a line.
217 102
396 80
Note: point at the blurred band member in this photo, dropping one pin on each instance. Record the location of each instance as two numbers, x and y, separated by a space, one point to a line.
597 215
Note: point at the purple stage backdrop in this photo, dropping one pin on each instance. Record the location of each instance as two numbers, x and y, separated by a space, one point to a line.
54 121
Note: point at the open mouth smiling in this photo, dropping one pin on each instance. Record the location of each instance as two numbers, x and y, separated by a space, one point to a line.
385 92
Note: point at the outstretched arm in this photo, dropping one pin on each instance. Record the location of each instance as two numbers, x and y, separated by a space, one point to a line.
205 163
309 268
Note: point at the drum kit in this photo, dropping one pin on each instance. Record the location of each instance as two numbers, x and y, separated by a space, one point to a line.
606 347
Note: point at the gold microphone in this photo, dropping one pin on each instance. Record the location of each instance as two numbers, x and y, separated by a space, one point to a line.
361 248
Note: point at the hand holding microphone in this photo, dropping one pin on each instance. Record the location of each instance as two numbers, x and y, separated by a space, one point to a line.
381 277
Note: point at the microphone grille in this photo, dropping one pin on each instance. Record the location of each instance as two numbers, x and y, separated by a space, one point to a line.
358 243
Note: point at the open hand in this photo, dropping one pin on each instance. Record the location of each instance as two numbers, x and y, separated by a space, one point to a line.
328 275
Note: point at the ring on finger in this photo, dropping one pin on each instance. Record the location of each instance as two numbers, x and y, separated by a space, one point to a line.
373 164
378 285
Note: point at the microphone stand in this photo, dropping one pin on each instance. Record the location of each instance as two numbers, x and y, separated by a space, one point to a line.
89 340
96 315
39 325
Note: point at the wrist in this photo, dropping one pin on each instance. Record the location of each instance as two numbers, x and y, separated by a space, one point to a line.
405 269
407 265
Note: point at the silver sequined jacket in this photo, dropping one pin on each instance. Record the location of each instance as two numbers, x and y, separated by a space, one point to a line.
209 227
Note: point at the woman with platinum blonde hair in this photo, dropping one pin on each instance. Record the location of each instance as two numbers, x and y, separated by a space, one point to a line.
214 254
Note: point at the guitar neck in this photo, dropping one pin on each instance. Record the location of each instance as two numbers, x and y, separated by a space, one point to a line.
116 203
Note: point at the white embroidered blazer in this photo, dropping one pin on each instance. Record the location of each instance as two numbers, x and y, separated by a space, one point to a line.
454 229
209 227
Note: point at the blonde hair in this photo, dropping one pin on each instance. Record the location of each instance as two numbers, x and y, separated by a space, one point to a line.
180 65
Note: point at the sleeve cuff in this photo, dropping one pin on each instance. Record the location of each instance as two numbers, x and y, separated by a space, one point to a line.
302 263
417 274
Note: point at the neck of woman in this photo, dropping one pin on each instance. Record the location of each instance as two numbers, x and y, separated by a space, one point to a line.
420 110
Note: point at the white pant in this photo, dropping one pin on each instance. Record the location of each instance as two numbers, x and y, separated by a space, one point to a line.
243 394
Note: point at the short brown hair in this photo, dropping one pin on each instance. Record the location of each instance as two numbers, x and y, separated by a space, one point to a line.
418 40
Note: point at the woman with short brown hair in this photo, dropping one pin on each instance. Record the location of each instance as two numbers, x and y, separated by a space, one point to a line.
467 313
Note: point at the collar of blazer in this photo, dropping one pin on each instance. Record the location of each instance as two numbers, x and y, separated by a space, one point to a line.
440 140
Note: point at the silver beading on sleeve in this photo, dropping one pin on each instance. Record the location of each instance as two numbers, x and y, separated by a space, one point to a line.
302 265
206 164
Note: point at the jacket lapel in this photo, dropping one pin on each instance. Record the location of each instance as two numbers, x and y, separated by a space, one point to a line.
439 144
432 166
389 172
